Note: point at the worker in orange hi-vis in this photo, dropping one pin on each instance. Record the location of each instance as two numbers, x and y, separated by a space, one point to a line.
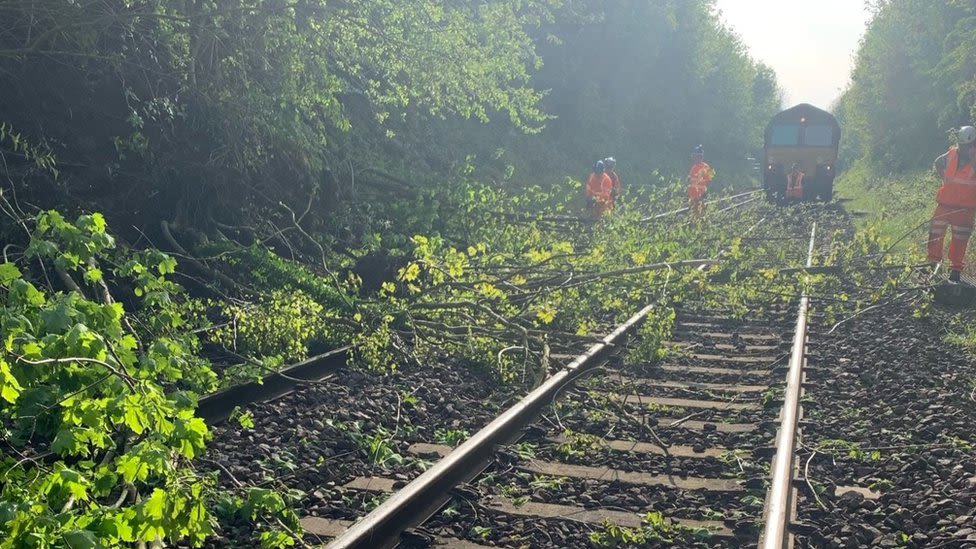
956 201
610 163
794 182
599 190
699 177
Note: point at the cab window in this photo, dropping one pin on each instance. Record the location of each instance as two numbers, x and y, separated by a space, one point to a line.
819 136
785 136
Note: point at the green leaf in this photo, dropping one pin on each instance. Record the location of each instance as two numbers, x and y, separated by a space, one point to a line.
147 457
65 442
167 266
191 437
10 388
135 417
132 468
75 483
8 273
31 350
23 293
98 224
93 275
105 480
8 512
120 527
155 506
81 539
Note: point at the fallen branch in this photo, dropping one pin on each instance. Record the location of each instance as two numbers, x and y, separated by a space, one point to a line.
229 282
129 380
580 279
67 280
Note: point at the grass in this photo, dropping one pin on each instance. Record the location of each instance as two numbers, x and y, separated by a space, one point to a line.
898 206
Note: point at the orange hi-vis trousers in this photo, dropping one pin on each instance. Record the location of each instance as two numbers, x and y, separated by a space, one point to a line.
696 200
961 220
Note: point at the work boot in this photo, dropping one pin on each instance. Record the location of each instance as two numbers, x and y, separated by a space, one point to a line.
954 276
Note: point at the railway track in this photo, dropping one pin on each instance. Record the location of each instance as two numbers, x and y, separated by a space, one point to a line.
607 450
673 452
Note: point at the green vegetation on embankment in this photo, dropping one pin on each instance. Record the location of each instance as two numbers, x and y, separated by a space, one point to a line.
912 86
898 207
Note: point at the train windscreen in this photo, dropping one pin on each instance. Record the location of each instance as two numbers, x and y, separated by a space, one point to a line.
784 136
819 136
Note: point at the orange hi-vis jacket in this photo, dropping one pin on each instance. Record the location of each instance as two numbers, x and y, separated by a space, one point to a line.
958 183
599 186
794 185
698 179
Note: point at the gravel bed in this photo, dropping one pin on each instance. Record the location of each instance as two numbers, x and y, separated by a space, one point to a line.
489 527
318 438
900 400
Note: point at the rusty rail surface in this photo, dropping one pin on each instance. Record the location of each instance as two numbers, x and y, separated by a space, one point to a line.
780 498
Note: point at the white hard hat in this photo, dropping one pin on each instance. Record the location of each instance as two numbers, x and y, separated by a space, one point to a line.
967 135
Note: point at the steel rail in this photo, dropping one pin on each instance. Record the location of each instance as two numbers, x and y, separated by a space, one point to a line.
422 497
218 406
738 204
779 500
716 201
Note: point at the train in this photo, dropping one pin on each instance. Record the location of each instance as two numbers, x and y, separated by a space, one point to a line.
808 138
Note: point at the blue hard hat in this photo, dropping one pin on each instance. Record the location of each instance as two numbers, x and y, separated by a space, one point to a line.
699 150
598 166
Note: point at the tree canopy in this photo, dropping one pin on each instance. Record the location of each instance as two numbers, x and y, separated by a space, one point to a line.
204 110
913 82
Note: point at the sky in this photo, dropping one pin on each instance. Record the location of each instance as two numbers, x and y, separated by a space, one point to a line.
810 45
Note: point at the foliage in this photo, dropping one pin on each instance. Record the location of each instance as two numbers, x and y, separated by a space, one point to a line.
260 504
643 81
15 143
651 336
98 401
496 293
866 269
898 207
99 436
232 117
852 450
267 270
912 83
655 527
577 445
451 437
962 334
219 108
280 327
